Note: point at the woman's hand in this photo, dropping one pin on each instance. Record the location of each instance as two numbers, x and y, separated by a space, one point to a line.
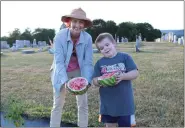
96 83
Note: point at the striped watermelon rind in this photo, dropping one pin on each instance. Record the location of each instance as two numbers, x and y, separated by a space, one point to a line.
108 82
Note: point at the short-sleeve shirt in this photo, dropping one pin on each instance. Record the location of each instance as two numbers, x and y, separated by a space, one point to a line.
117 100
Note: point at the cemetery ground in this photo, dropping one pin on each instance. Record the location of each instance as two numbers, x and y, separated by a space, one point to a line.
159 89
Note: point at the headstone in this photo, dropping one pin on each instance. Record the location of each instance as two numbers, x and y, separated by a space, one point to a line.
95 51
170 36
19 43
34 43
145 39
14 48
126 40
41 43
158 40
122 40
166 37
117 39
174 39
180 41
4 45
27 43
182 38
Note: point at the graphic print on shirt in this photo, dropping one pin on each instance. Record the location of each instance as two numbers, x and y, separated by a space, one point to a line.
120 67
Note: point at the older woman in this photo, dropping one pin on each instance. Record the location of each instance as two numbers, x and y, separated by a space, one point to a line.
73 57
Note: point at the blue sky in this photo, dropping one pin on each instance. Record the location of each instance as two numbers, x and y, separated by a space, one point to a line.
47 14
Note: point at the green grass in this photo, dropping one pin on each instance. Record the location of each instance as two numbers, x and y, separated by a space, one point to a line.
159 89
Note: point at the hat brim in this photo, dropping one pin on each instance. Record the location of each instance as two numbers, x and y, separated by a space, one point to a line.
66 18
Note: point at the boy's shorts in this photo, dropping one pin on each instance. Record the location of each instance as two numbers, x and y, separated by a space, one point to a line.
123 121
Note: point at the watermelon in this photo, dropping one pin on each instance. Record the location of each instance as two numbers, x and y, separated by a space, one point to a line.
107 79
77 85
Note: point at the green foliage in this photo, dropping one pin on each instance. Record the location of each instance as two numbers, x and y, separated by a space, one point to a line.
26 35
40 34
15 110
125 29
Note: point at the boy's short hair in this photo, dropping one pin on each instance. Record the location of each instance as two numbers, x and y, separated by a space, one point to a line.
103 36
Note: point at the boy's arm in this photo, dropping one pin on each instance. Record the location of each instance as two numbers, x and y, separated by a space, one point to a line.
131 70
131 75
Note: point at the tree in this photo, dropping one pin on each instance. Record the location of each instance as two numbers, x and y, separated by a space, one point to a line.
147 31
13 36
99 26
128 30
111 27
26 35
42 34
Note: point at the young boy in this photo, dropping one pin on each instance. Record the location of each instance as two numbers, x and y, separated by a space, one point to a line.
117 102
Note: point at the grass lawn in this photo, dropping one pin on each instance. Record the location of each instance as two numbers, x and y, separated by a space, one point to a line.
159 89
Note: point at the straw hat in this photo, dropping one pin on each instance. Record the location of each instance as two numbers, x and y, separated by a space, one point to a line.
77 14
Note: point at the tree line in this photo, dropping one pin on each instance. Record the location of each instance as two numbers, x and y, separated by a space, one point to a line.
127 30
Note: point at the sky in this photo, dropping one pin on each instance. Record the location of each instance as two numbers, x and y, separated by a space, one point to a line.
163 15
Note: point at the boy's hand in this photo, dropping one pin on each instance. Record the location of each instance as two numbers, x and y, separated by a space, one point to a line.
119 77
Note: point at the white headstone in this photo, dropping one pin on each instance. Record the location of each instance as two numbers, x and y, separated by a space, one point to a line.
174 39
14 48
117 39
122 39
41 43
34 43
4 45
180 41
26 43
170 36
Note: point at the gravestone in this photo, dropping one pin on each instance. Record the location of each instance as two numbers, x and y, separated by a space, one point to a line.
126 40
174 39
180 41
95 51
27 43
34 43
170 36
4 45
166 37
117 39
145 39
158 40
14 48
41 43
122 40
19 43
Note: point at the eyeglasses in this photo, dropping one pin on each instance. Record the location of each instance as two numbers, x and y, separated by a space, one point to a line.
74 54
